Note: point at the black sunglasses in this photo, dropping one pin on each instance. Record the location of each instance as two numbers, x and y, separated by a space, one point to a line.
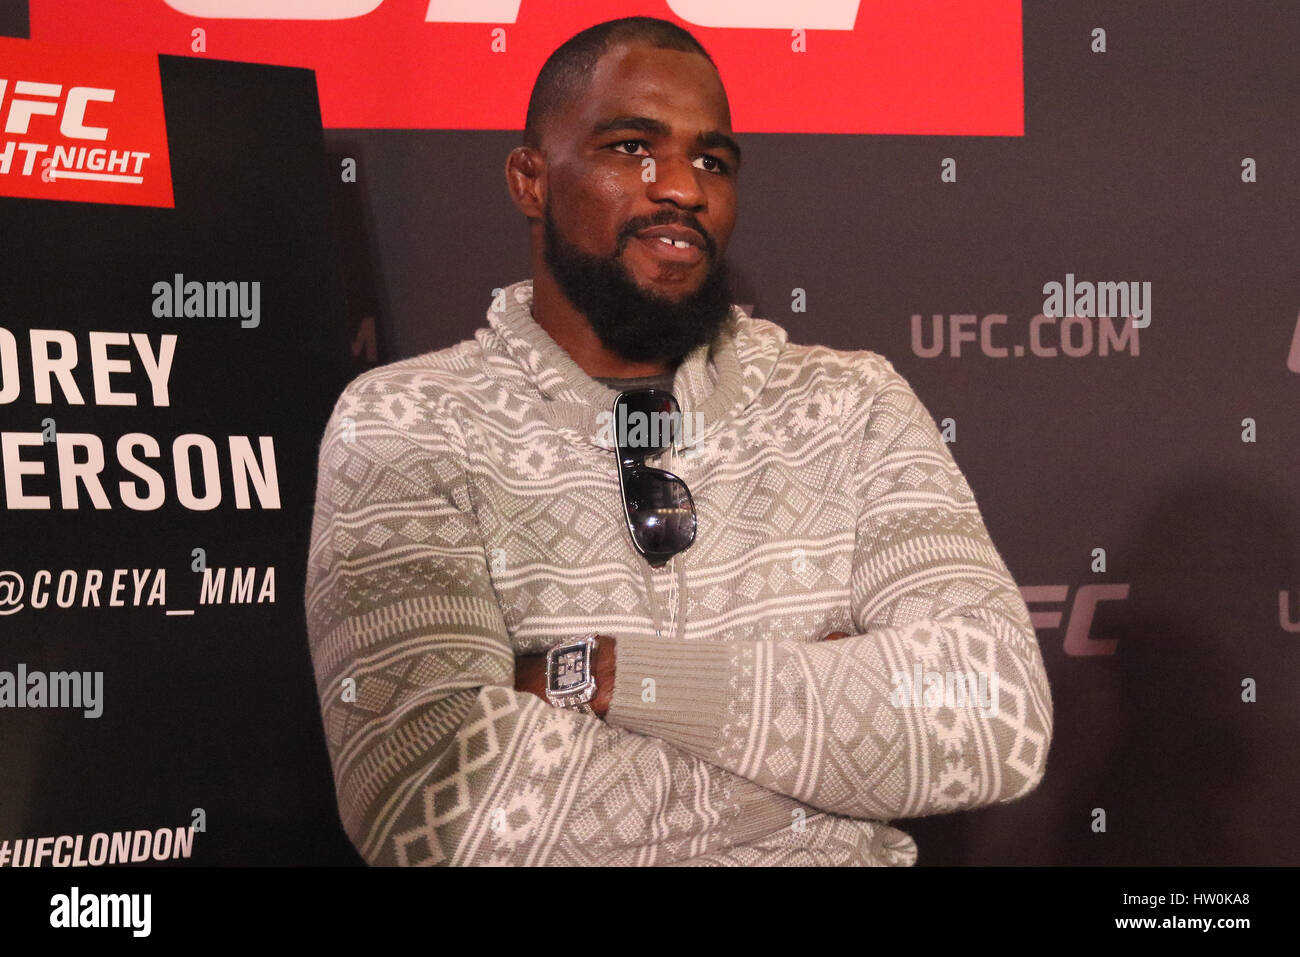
657 504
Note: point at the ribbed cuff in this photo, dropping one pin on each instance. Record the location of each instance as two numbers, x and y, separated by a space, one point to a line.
692 683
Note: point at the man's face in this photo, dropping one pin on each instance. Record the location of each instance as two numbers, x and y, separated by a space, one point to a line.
644 299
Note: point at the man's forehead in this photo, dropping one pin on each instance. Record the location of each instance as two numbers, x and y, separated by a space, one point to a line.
640 80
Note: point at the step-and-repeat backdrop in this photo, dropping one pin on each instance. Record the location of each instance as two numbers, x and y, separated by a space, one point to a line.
1072 227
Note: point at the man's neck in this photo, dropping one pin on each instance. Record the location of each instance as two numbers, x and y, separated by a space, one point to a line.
572 332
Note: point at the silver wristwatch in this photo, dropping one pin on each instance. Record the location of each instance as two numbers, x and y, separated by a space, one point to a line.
570 673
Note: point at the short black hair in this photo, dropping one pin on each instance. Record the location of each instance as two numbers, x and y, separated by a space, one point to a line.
566 73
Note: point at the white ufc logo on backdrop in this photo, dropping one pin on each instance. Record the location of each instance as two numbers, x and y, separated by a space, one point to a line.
46 103
734 14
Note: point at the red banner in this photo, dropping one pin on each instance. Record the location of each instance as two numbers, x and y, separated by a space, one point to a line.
939 67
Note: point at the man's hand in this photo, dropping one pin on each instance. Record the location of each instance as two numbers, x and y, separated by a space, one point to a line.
530 674
836 636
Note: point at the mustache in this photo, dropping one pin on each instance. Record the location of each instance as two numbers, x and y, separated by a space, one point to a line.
631 229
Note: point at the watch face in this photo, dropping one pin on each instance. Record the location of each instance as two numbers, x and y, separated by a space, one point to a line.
570 669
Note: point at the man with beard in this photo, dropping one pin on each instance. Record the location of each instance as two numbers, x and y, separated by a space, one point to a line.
535 646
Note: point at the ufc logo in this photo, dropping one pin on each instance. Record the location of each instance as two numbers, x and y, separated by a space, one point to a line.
739 14
31 99
1078 640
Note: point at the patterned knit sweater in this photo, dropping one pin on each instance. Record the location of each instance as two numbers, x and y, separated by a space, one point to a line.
468 511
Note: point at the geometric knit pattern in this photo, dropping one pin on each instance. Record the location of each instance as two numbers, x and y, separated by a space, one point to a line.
468 511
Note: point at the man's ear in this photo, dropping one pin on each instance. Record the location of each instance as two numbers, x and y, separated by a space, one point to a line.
526 180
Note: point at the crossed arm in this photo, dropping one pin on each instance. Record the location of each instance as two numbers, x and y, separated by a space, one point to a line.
530 671
446 753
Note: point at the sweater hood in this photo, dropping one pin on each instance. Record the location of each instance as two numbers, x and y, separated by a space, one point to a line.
714 383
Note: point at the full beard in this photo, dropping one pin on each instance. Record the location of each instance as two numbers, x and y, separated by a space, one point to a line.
631 322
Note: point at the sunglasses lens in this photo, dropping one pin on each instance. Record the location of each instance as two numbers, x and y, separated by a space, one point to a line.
646 421
660 511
